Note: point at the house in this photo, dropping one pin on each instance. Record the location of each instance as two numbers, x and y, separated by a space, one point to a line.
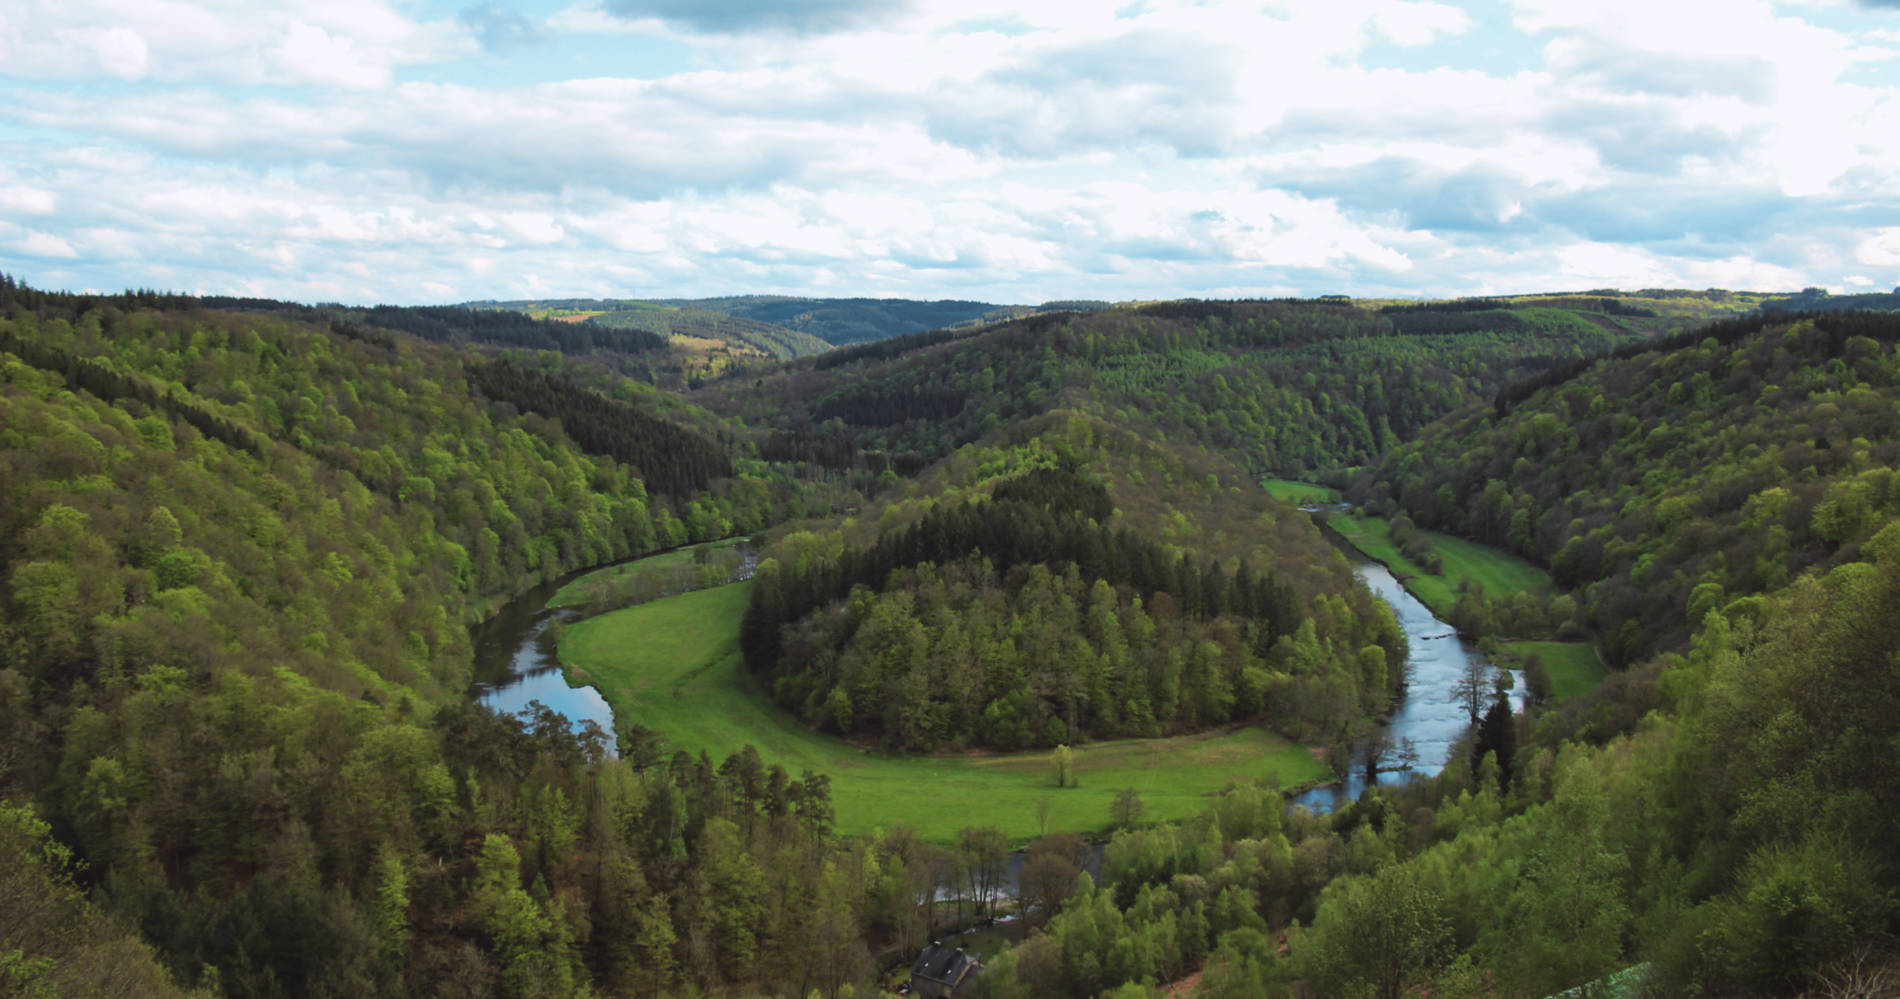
943 971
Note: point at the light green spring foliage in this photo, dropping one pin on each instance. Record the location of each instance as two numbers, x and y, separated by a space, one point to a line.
53 943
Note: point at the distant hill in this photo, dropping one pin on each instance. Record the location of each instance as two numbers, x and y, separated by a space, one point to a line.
706 324
840 321
699 332
781 326
1289 387
1819 300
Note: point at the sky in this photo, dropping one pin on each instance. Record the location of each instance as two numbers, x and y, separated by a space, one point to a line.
417 152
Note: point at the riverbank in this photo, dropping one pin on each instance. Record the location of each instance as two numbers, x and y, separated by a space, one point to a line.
1429 717
1572 668
1465 563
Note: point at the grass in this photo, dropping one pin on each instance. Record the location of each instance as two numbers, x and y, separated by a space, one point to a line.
673 665
1574 667
573 594
1299 493
1499 572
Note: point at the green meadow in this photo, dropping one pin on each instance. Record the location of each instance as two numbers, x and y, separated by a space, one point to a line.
1574 667
1499 572
574 593
1299 493
673 665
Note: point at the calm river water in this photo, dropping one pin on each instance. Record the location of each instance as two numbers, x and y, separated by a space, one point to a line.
515 663
1427 715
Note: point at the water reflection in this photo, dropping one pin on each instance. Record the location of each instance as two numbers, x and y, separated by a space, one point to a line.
516 664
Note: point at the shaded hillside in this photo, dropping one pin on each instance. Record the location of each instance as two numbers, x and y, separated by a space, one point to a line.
1666 483
1818 300
840 321
776 325
1287 387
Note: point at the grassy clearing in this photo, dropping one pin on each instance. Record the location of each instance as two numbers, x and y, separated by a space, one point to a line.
573 594
1499 572
673 665
1574 667
1299 493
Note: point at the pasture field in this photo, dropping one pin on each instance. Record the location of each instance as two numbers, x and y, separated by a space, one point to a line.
1498 571
573 594
673 665
1574 667
1299 493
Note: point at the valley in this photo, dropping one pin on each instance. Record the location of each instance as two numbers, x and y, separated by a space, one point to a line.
867 620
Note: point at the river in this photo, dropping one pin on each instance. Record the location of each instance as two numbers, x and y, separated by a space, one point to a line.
1427 714
516 662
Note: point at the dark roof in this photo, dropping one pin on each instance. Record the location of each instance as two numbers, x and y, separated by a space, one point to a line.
945 965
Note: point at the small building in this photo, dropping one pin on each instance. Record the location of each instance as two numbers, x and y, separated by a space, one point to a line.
943 971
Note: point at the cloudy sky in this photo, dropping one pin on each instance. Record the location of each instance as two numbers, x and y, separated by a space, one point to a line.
416 152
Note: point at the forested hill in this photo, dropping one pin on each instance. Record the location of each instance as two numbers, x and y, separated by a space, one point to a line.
777 325
1286 387
1070 581
238 553
240 542
843 321
1819 300
1667 483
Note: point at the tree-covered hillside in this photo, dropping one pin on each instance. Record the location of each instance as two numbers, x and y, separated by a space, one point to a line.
238 554
1071 581
1288 387
241 542
1667 483
843 321
1733 835
1741 843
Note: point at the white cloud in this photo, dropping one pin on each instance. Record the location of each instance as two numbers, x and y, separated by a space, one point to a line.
1421 23
342 43
24 200
40 244
1881 248
974 147
123 53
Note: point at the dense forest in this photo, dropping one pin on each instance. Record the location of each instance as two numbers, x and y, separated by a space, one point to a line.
236 671
843 321
1283 387
1664 484
241 543
1025 611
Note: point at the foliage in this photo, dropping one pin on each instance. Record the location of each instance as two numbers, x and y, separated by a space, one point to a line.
1282 386
238 554
1022 620
672 459
52 941
1666 483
